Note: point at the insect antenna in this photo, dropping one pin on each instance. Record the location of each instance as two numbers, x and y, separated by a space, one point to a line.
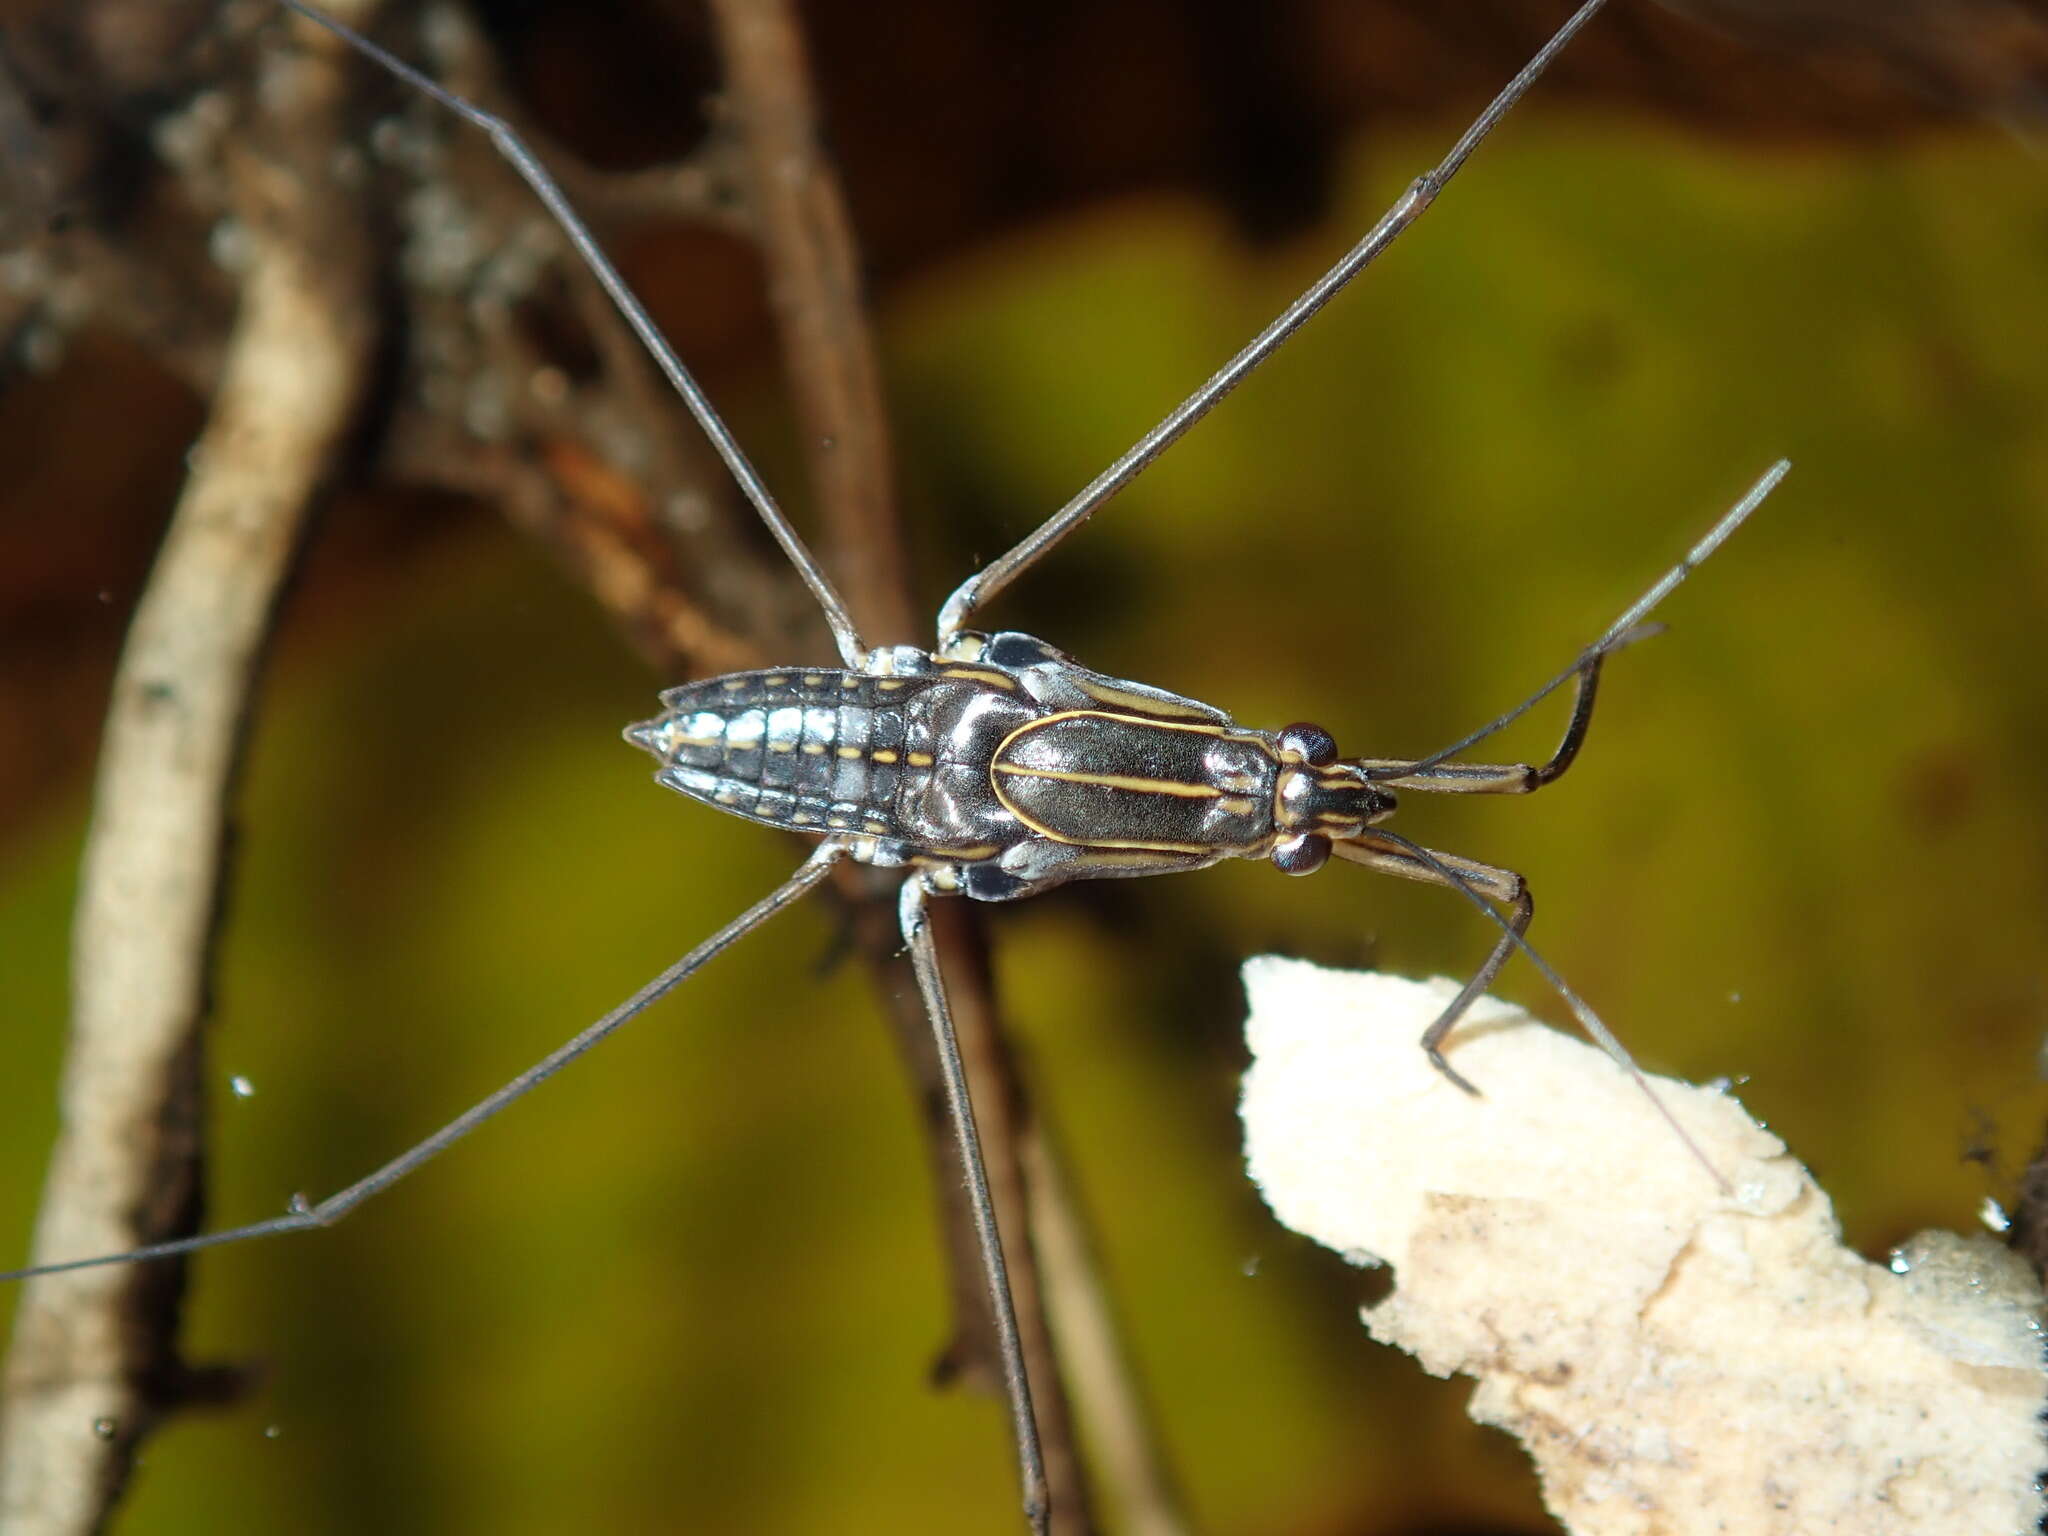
1581 1010
1624 631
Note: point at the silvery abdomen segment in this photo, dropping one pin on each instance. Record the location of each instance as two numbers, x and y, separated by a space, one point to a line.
902 759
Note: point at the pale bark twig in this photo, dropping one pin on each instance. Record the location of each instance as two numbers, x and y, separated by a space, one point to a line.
95 1363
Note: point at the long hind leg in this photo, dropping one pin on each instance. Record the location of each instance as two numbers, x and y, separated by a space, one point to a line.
931 982
327 1212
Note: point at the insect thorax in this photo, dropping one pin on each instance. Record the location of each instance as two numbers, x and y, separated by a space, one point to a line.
1003 766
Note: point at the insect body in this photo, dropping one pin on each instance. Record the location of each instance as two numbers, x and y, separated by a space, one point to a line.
1001 768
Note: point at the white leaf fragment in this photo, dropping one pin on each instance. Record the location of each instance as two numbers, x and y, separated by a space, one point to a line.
1674 1359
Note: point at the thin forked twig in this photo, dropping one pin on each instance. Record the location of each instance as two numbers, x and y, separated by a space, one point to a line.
801 221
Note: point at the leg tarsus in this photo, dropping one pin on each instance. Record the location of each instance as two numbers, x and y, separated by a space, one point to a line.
1473 990
1396 855
1448 869
1436 1059
1502 884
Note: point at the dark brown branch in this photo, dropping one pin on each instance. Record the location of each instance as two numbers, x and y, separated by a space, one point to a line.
829 361
599 527
814 288
1115 1412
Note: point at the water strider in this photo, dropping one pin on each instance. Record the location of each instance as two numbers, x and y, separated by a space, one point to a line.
994 766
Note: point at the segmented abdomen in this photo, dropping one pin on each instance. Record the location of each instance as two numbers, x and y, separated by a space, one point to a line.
818 751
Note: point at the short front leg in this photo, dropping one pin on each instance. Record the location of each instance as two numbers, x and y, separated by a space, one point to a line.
1491 881
1502 778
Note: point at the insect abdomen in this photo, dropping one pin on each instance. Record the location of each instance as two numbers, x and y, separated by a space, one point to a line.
817 751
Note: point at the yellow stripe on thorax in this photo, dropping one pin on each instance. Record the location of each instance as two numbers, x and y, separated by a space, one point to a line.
1117 781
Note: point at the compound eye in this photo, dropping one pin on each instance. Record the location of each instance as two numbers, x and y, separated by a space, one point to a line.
1302 854
1316 745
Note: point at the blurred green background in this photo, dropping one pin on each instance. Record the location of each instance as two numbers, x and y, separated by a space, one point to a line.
694 1284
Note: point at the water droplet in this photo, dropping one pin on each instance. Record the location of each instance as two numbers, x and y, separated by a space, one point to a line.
272 1431
242 1087
486 413
1249 1267
1734 997
1901 1263
41 347
1993 1215
106 1429
347 166
299 1205
688 512
230 247
1751 1193
550 386
387 139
